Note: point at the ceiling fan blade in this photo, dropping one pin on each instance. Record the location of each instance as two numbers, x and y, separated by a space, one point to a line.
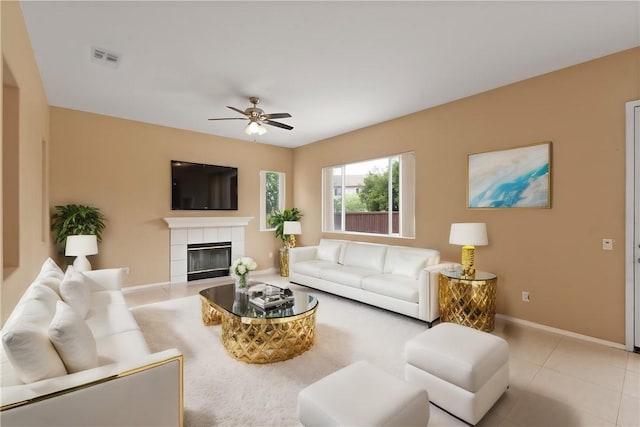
277 116
277 124
237 110
231 118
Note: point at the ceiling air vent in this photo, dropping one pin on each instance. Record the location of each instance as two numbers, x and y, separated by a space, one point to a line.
105 57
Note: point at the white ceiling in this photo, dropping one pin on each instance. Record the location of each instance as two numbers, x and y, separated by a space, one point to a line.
335 66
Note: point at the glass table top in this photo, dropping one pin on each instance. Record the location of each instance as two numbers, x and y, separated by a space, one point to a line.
457 274
224 297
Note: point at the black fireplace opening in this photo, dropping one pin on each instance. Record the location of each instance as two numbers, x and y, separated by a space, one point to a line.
207 260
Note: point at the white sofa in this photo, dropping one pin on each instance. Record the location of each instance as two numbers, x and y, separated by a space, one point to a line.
73 354
396 278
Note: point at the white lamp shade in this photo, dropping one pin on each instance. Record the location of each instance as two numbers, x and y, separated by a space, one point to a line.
469 233
81 245
292 227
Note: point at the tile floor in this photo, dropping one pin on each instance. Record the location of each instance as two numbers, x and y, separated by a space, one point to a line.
554 380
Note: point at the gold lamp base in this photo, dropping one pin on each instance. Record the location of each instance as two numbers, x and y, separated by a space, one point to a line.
468 256
284 255
284 262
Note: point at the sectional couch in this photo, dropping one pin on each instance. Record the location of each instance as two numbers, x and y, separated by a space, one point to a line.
72 354
397 278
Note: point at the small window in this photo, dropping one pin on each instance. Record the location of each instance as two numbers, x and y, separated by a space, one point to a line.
272 191
374 197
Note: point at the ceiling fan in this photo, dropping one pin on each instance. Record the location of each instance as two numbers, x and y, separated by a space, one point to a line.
257 118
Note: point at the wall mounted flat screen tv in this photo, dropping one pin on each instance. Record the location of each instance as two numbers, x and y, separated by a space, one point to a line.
197 186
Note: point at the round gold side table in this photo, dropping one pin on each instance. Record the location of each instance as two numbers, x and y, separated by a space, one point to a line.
468 301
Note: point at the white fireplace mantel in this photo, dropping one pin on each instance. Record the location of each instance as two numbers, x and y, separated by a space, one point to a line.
187 230
204 221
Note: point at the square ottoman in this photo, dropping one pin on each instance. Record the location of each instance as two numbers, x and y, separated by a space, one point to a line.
465 370
362 395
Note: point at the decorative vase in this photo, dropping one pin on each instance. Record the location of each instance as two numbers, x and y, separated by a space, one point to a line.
242 282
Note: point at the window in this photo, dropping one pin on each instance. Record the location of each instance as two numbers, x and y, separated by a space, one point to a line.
374 196
272 193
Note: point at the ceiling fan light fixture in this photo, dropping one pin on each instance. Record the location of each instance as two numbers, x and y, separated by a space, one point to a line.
257 118
254 128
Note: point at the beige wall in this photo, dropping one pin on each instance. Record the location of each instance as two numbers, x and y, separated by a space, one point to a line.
555 254
123 168
33 129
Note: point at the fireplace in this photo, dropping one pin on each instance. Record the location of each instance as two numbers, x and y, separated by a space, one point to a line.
207 260
187 231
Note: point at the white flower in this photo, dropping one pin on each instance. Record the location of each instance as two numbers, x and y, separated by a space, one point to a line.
242 265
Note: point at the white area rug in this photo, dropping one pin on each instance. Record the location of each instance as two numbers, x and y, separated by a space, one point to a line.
220 390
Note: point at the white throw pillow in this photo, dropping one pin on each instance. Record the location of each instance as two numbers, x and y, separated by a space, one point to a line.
75 291
49 267
73 339
26 343
44 293
50 281
328 251
409 265
51 275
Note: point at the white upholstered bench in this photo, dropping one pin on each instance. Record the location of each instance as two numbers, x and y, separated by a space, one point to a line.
464 370
362 395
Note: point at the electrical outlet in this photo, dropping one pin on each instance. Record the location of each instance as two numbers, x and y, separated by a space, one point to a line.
270 254
607 244
525 296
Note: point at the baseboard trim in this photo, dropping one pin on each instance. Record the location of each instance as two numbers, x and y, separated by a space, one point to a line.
127 289
560 331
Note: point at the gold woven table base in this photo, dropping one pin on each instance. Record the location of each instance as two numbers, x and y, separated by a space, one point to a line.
210 316
266 341
469 303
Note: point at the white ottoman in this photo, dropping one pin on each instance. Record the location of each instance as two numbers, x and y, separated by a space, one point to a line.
465 370
362 395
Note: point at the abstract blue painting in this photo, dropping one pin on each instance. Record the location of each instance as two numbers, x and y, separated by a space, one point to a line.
515 178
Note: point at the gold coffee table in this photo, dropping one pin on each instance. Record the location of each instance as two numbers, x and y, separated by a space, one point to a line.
469 301
255 335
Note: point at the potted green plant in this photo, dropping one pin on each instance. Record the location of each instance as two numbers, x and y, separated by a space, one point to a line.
71 220
277 220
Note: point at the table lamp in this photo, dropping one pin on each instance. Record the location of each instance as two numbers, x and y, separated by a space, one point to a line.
80 246
469 235
291 228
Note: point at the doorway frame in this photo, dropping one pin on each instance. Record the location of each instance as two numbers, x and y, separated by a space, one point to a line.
630 226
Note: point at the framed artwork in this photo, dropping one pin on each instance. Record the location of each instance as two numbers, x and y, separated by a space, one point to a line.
513 178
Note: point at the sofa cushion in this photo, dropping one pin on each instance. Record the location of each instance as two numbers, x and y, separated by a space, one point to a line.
311 268
110 320
366 256
328 250
348 276
75 291
8 374
394 286
26 342
103 298
409 265
72 339
398 254
120 347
